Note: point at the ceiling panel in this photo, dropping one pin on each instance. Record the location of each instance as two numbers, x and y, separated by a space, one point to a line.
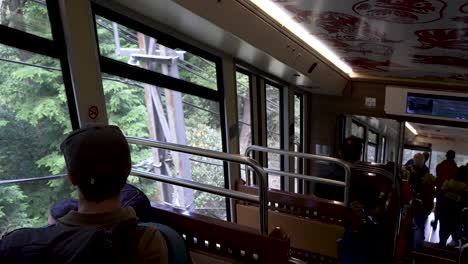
434 131
423 39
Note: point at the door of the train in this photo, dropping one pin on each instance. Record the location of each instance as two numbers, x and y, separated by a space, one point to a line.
434 155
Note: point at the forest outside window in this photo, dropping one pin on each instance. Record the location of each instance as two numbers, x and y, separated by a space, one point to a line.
34 119
174 99
26 15
372 145
165 115
357 130
244 114
273 129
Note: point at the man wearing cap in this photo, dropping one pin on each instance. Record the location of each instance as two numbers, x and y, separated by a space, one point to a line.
98 163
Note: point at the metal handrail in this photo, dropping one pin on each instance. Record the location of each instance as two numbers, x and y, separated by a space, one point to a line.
162 178
196 186
45 178
373 169
346 184
262 175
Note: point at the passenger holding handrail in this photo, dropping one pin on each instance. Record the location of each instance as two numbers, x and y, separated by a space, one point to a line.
98 163
445 171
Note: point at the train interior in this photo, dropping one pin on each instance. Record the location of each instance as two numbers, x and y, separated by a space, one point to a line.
236 112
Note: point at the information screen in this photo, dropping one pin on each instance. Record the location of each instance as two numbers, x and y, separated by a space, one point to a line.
437 105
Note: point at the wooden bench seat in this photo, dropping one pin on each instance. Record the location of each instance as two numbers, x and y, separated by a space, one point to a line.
313 224
212 239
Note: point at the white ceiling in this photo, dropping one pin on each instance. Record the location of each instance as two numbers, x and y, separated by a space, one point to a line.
441 132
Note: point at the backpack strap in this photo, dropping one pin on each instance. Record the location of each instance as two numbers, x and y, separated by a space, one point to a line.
126 237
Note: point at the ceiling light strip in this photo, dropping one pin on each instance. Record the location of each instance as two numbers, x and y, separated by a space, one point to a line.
411 128
286 21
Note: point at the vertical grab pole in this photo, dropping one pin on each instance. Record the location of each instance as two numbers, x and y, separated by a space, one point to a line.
263 194
348 185
397 173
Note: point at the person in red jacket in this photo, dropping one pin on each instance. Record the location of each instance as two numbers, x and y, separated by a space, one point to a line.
445 171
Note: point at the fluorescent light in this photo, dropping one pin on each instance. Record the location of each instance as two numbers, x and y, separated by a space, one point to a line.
282 17
411 128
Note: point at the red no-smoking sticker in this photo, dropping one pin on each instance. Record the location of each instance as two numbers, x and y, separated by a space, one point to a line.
93 112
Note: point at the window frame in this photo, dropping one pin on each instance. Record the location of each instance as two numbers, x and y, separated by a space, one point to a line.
249 177
124 70
298 183
54 48
375 145
364 138
281 132
251 76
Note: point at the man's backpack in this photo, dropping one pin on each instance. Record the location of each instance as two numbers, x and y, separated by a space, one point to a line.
72 245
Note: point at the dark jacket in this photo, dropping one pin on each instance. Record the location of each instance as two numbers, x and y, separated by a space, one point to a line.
27 245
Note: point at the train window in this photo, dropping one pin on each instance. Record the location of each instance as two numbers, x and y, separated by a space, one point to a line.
357 130
148 111
372 145
298 139
34 119
135 48
298 119
438 156
461 159
298 130
408 154
273 129
27 15
244 113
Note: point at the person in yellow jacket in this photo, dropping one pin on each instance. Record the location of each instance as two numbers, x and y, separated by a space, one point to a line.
454 197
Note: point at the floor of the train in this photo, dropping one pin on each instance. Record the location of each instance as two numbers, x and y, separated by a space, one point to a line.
432 235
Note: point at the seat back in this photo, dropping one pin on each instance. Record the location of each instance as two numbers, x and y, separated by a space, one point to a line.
306 206
308 237
215 241
313 224
177 249
463 254
464 225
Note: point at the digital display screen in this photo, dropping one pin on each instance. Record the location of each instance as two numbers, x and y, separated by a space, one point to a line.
437 105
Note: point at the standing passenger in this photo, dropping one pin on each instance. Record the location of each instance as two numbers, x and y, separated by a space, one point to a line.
451 201
426 154
417 171
98 163
424 192
445 171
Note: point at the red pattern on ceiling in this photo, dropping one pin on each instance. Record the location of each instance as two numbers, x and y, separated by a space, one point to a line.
401 11
424 39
